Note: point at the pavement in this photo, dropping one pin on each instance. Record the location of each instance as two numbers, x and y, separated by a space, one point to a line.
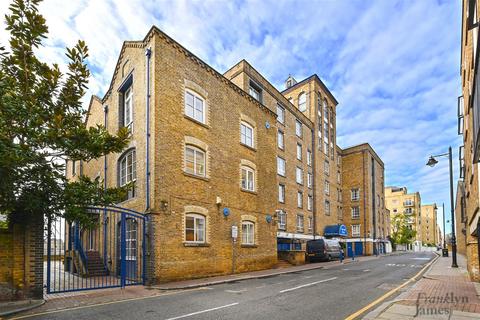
442 293
319 291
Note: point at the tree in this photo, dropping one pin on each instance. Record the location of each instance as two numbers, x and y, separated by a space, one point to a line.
42 124
401 232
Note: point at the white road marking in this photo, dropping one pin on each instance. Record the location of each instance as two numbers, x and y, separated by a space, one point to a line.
308 277
203 311
262 286
308 284
420 258
236 291
366 270
345 269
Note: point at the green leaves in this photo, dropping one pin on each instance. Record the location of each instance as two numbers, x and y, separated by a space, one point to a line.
42 124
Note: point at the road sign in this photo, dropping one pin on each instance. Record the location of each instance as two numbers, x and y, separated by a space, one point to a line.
234 232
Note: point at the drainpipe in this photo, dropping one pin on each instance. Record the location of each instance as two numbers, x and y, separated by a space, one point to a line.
314 174
364 205
105 168
148 54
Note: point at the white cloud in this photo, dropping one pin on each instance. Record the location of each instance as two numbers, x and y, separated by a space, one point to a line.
392 67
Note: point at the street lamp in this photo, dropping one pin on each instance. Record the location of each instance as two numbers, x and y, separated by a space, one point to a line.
432 162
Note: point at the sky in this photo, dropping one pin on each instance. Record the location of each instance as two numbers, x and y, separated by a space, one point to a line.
392 65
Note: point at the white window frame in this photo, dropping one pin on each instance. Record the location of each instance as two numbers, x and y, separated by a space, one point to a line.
282 220
327 207
254 93
310 223
131 229
326 168
309 179
309 202
299 199
199 229
300 223
198 154
356 230
196 113
298 128
281 140
280 114
280 162
327 187
248 232
299 175
281 193
299 151
247 134
309 157
355 212
128 108
355 194
128 169
248 178
302 102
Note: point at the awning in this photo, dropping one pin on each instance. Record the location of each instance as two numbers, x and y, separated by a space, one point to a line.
339 230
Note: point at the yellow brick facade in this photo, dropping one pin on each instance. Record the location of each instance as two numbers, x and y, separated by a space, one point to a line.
364 212
429 224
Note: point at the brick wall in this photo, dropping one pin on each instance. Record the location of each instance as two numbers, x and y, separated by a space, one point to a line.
21 262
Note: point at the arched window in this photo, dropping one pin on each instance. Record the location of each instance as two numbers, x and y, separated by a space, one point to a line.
195 160
194 228
127 171
325 111
248 178
302 102
248 232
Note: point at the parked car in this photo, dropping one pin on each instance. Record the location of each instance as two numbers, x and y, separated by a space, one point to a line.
323 250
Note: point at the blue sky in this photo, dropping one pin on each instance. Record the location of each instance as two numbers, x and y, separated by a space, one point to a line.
392 65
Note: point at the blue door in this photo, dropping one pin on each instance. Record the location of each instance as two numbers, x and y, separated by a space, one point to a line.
349 249
358 248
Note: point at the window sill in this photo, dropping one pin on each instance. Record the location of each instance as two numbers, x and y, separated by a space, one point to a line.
194 244
196 121
248 191
248 147
191 175
249 246
281 175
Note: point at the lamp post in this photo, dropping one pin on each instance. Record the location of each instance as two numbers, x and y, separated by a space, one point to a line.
444 233
432 162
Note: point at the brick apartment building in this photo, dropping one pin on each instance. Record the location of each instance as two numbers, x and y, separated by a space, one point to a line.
398 200
469 128
365 215
429 224
210 152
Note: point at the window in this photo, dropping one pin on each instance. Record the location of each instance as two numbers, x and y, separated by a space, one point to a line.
326 167
309 202
299 222
248 178
194 161
355 194
339 159
130 239
325 111
309 157
325 148
194 106
339 177
325 129
355 230
128 108
194 228
327 207
281 166
246 134
298 128
281 193
282 220
248 232
356 212
309 180
302 102
74 167
255 91
128 171
280 114
300 199
299 175
299 151
281 139
310 223
339 193
327 187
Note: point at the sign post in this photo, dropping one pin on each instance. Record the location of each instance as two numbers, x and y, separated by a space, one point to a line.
234 240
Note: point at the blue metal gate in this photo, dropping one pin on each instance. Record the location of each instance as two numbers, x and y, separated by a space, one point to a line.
110 254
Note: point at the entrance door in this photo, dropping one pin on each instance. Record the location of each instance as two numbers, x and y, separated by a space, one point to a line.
350 249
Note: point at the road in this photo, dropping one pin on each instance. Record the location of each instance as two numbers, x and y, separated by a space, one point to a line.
332 293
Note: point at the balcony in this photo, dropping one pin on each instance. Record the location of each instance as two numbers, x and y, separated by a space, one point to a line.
409 211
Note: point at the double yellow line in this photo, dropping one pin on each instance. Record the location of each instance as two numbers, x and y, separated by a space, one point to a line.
389 293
